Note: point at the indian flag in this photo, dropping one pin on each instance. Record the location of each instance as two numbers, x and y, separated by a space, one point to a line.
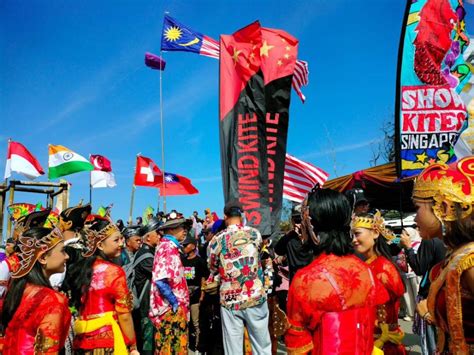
63 161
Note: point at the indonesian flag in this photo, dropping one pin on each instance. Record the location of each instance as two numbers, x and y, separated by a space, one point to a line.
147 173
20 160
102 175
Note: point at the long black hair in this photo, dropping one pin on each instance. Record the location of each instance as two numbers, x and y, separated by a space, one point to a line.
81 272
17 286
330 214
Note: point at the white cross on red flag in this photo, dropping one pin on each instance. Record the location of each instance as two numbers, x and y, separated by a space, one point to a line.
147 173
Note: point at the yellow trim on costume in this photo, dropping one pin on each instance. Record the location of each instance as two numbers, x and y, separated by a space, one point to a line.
394 336
377 351
300 350
82 326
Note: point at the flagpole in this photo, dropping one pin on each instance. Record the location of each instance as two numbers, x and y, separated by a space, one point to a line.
90 183
130 217
3 200
162 137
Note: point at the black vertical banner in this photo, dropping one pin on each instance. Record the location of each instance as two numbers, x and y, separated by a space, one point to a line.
256 68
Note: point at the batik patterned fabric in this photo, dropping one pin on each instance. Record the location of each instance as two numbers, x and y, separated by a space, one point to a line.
172 335
167 266
389 278
40 324
451 302
331 306
234 255
108 293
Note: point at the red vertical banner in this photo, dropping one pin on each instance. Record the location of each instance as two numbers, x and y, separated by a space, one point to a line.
242 129
256 69
278 58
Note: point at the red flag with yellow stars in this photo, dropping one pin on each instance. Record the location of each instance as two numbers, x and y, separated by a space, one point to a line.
278 58
256 69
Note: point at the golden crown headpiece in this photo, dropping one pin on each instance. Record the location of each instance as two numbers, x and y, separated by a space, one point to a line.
95 237
449 184
374 222
30 250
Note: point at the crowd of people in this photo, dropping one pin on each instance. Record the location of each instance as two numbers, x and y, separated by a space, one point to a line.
333 284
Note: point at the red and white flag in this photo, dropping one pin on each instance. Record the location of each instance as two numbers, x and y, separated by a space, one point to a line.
20 160
300 178
102 175
147 173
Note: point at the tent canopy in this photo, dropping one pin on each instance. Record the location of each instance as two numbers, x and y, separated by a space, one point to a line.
381 186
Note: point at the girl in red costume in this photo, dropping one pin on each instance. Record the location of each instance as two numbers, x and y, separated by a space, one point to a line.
100 294
444 199
331 301
36 317
370 240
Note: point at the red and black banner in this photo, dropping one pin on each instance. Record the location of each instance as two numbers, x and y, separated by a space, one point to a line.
256 68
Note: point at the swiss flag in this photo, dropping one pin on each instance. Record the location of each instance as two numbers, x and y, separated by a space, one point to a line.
147 173
20 160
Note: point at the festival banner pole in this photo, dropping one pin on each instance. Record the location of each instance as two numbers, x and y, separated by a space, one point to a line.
3 200
397 143
130 217
90 184
162 136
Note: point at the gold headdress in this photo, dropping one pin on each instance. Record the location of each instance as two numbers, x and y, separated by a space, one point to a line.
449 184
375 222
95 237
30 249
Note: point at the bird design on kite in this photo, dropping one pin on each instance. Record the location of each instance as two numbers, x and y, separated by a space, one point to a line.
433 40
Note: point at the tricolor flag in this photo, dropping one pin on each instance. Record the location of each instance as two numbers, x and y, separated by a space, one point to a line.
102 175
300 178
63 161
20 160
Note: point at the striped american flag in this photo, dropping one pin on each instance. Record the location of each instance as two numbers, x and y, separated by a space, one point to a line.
300 177
210 48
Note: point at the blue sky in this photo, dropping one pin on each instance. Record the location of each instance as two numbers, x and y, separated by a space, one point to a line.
73 74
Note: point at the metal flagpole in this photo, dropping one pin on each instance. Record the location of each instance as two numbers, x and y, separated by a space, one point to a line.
130 217
90 183
162 137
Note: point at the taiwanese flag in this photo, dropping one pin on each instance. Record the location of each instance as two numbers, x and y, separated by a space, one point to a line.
177 185
147 173
256 68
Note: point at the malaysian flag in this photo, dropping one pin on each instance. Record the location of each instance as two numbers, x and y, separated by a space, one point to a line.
178 37
300 178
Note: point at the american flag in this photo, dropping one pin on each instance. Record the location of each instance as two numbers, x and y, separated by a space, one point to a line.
210 48
300 177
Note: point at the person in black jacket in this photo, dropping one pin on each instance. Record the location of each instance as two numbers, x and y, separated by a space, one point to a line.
143 326
298 251
430 253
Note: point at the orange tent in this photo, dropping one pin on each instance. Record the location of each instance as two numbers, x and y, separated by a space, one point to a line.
381 187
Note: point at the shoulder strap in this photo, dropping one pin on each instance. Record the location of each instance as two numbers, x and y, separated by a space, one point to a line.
141 258
334 286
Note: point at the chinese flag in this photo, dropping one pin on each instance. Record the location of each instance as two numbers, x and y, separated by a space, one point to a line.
177 185
147 173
